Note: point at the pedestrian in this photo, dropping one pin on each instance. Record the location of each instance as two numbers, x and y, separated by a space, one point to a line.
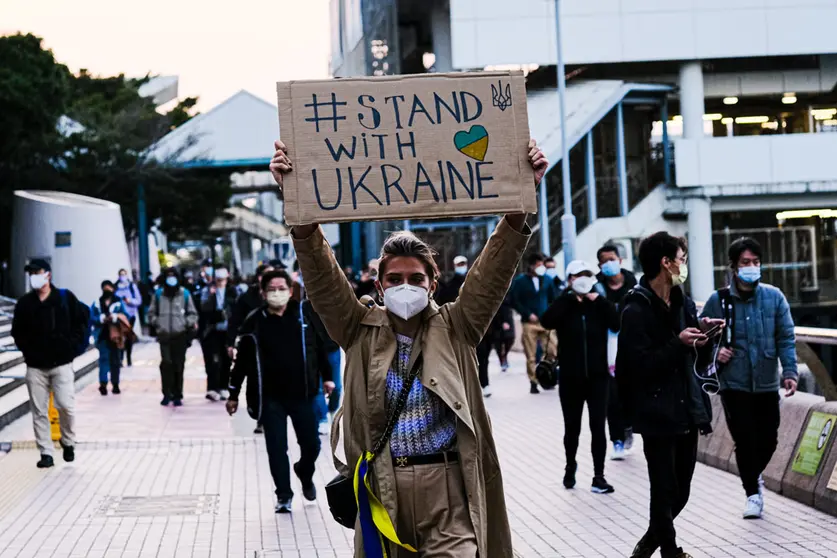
283 377
107 329
173 316
504 332
129 294
582 319
411 386
449 291
555 287
654 367
50 327
207 273
189 283
616 282
146 290
216 307
529 296
759 333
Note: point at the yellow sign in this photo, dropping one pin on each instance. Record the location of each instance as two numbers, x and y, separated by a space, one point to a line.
54 424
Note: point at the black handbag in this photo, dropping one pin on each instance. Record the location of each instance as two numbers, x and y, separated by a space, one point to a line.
547 371
340 492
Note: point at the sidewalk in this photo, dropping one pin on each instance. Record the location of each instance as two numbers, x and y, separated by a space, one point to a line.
161 482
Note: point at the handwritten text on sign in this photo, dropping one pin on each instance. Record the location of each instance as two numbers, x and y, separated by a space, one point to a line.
406 147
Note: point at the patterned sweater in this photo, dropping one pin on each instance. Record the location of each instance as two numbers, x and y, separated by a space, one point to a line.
426 425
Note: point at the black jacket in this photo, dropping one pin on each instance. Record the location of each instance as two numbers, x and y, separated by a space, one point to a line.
248 357
505 315
618 297
209 315
449 291
582 327
47 334
657 386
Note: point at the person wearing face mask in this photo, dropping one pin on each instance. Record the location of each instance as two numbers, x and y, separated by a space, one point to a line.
530 298
411 364
759 334
111 327
174 318
285 361
217 301
129 294
49 326
616 282
658 341
582 319
449 291
554 284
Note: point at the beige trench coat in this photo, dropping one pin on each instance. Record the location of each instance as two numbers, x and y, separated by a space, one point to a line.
447 340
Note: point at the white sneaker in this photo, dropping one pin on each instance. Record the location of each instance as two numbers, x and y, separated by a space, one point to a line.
754 507
225 394
486 391
213 395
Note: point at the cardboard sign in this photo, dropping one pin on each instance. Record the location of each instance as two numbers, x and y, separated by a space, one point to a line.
406 147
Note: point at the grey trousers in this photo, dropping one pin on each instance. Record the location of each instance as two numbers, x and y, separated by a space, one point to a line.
433 512
61 381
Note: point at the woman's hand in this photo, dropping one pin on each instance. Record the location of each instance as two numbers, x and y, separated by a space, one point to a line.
538 160
280 165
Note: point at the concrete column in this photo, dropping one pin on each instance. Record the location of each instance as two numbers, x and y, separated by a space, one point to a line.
701 262
440 29
590 171
621 161
543 218
701 272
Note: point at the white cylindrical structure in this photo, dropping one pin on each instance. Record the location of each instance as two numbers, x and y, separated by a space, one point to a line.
691 99
83 239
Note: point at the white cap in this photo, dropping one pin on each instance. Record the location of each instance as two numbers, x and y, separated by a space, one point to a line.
580 266
458 260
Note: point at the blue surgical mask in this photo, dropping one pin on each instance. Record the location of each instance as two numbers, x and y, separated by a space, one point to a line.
461 270
551 272
750 274
612 268
171 281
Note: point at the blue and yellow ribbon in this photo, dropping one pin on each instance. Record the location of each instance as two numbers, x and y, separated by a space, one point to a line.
375 523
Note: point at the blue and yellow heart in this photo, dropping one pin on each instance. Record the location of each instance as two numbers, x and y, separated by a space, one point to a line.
473 143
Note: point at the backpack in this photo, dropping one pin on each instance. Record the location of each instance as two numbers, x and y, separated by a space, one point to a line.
84 312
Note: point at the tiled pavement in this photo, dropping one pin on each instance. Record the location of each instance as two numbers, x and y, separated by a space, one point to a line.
191 482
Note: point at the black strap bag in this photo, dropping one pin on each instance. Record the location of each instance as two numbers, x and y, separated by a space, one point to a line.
340 492
547 371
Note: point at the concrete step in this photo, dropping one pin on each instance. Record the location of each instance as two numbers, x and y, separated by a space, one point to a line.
8 359
5 318
6 342
5 330
14 397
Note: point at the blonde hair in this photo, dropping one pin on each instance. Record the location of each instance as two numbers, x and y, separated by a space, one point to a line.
404 244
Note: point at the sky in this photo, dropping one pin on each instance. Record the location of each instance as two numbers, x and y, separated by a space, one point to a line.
249 44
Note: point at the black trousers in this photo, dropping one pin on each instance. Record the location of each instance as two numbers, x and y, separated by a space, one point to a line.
574 392
616 423
671 464
129 344
173 360
483 352
275 415
753 421
216 360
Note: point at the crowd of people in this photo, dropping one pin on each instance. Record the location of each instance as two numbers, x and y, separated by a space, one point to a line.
635 351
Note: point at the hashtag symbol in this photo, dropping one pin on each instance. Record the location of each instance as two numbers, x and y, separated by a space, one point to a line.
316 105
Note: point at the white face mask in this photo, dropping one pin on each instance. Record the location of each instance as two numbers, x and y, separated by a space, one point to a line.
583 285
38 281
406 301
222 274
540 271
278 299
461 270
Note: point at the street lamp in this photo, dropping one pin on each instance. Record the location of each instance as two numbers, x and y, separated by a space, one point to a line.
567 219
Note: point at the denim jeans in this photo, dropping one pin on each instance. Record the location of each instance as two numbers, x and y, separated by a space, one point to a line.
110 362
275 416
321 407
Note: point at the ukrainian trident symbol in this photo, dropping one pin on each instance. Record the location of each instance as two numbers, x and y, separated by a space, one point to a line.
499 98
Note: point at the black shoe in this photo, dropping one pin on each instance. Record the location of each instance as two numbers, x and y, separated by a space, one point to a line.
69 453
600 486
534 390
166 400
646 547
116 390
46 462
284 505
178 403
259 429
681 554
103 388
569 476
308 488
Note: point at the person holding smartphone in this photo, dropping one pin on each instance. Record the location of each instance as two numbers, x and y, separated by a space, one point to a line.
759 334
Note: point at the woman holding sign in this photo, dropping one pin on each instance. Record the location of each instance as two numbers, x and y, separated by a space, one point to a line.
418 438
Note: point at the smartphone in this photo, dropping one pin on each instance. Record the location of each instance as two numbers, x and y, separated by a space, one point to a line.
714 332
